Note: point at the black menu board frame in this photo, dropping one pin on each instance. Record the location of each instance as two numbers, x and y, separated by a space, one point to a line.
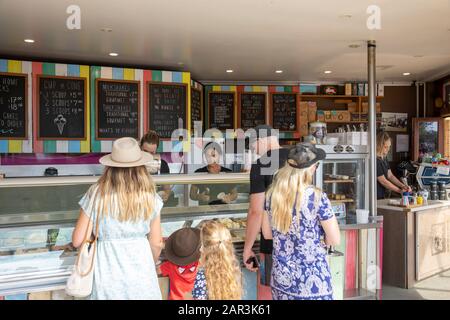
25 105
172 84
240 113
38 93
210 113
201 103
97 109
297 117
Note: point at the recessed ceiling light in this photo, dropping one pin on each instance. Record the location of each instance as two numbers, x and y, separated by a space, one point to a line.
406 73
106 29
229 71
29 40
327 71
354 46
279 71
345 16
113 54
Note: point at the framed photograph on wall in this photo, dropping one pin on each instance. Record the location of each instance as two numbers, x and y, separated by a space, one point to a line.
397 122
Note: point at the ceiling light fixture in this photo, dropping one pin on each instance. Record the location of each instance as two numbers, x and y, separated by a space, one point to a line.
29 40
229 71
113 54
327 71
279 71
346 16
406 73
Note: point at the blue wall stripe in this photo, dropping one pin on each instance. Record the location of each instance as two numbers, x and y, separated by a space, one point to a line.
247 88
279 88
117 73
3 146
3 65
177 77
74 146
73 70
225 88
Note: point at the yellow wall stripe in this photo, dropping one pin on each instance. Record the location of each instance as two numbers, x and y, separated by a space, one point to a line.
128 74
85 145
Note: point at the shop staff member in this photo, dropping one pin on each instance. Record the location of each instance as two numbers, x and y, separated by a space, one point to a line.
214 193
149 143
265 143
385 178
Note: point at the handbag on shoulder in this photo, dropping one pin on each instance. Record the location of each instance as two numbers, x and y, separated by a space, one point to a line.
79 284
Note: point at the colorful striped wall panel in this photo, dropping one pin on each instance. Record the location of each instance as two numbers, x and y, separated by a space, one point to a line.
20 146
60 146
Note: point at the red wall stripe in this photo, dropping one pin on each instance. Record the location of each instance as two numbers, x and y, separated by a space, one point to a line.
350 259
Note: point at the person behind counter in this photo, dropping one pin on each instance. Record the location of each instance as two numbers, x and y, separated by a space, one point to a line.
129 236
149 143
219 275
385 178
297 217
214 193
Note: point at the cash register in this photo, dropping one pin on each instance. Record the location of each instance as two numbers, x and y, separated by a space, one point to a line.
436 177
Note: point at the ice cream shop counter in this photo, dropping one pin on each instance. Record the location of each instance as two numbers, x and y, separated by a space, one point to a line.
416 241
37 217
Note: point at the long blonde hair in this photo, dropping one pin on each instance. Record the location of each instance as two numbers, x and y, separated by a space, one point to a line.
127 194
222 270
285 192
382 138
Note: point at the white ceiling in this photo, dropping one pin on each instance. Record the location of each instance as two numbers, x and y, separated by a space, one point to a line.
252 37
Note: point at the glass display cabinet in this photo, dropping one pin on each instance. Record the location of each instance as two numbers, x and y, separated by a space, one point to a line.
342 176
38 215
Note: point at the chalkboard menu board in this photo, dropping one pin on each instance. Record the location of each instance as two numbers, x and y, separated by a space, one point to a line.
61 103
284 111
117 107
13 104
196 105
252 110
221 110
167 107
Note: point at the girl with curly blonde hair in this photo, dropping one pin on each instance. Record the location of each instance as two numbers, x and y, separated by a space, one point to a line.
219 277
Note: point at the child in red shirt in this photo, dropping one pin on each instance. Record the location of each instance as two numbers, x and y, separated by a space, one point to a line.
182 250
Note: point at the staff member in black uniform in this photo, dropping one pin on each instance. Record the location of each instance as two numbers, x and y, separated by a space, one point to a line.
213 193
149 143
265 143
385 178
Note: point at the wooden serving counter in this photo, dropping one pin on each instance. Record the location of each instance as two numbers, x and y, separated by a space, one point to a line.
416 242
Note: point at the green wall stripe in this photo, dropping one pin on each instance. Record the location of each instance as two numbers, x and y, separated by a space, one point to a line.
156 75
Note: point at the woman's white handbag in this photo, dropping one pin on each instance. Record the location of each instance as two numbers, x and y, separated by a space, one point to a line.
79 284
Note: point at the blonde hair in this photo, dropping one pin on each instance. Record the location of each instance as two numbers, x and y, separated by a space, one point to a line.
127 194
286 191
222 270
382 138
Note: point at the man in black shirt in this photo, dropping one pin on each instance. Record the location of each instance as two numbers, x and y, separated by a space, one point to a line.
265 143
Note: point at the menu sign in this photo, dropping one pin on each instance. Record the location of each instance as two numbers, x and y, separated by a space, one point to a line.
13 102
196 105
252 110
284 111
61 103
167 107
117 108
221 110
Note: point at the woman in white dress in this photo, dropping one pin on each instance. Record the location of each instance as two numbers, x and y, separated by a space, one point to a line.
129 238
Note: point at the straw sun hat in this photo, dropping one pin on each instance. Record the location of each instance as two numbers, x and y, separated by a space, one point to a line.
125 154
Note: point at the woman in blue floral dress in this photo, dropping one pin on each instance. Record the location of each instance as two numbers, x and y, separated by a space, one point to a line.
300 221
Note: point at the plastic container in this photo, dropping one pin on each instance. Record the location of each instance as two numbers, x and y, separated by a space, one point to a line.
362 216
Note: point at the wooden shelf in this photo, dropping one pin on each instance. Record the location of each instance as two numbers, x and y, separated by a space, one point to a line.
338 181
334 96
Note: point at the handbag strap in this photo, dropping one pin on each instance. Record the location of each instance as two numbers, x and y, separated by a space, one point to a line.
93 243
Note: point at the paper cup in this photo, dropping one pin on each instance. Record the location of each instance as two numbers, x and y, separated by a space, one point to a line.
362 216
